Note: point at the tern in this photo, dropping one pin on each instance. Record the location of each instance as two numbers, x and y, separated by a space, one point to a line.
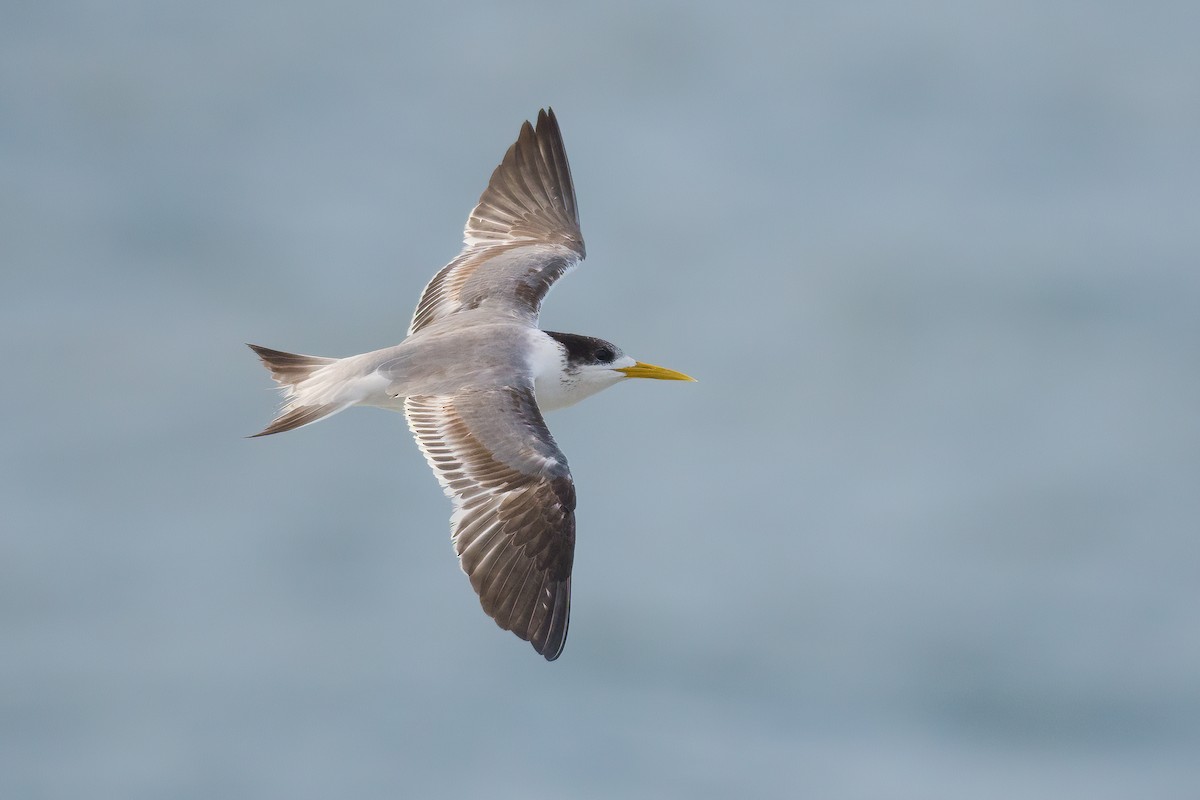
473 378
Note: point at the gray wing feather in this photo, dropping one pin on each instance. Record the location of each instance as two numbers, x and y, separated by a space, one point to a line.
521 237
513 524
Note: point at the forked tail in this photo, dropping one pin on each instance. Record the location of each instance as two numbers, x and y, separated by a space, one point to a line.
291 371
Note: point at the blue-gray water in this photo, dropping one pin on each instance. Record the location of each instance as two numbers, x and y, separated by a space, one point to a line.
926 528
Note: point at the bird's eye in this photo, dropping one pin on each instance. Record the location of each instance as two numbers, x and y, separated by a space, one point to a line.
605 354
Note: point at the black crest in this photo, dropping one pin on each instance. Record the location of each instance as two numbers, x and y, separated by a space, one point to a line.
583 350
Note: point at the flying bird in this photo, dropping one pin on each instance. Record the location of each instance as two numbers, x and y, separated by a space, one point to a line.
474 377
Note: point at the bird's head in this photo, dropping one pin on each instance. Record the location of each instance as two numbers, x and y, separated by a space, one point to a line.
587 365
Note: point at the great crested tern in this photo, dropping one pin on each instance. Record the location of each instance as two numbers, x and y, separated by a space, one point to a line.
474 376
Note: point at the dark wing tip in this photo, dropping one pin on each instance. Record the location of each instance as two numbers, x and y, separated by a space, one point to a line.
551 639
530 195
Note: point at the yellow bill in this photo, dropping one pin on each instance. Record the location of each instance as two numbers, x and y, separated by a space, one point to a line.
640 370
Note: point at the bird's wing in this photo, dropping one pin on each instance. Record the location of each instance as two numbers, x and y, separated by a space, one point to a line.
514 505
521 237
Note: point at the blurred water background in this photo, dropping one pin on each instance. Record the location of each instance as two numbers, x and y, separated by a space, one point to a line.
926 528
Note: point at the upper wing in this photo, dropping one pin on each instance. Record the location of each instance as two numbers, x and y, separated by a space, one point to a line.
521 237
513 524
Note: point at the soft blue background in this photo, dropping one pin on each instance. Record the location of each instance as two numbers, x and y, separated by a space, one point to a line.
926 528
